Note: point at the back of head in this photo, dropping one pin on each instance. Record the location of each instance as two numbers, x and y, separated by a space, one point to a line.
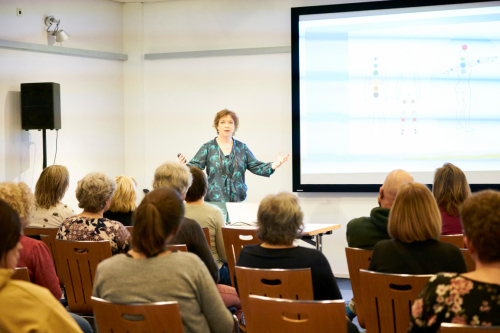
481 220
94 190
394 180
279 219
450 188
123 200
173 175
159 214
414 215
199 187
19 197
51 186
10 226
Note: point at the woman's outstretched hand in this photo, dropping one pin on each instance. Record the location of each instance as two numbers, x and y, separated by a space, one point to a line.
279 161
182 159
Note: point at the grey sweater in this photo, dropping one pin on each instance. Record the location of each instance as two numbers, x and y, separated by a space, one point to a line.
178 276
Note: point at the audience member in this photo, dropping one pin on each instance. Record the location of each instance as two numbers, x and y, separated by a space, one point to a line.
415 225
208 217
35 255
280 222
450 190
49 211
26 307
177 177
123 201
471 298
365 232
160 275
94 194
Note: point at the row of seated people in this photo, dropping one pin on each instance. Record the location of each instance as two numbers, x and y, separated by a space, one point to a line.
280 222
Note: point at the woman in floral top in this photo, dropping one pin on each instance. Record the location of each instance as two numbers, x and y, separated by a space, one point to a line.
471 298
226 161
94 193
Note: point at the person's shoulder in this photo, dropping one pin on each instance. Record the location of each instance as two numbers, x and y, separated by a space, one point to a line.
29 243
252 248
384 245
39 296
443 278
309 254
110 264
189 223
113 223
358 222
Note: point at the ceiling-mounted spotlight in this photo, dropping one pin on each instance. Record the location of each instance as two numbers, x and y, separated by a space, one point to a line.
60 35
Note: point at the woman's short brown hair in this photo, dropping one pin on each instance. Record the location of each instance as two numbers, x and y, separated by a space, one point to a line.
280 219
450 188
123 200
199 187
158 215
51 186
222 114
19 197
481 220
94 190
414 215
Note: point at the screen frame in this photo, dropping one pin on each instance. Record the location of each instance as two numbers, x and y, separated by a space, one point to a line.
340 8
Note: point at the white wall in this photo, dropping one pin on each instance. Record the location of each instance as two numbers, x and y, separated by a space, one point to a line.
181 96
91 138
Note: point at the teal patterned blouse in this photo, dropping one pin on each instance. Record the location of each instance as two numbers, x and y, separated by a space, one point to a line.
226 173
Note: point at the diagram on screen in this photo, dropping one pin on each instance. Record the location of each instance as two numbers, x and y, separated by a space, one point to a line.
463 89
408 91
375 94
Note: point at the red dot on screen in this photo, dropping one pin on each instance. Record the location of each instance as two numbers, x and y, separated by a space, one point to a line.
464 47
402 119
414 119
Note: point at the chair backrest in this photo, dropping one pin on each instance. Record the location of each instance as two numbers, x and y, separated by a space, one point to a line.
234 240
137 318
295 284
177 247
130 229
51 234
357 259
388 298
456 328
471 265
22 274
78 262
277 315
457 240
206 231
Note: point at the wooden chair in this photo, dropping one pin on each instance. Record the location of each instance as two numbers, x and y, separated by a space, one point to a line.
357 259
234 240
130 229
456 328
177 247
206 231
137 318
49 240
22 274
387 299
278 315
471 265
457 240
78 262
295 284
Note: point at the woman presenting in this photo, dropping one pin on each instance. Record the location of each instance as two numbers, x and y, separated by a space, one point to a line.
226 161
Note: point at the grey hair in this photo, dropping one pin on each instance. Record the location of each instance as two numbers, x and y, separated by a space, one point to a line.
173 175
280 219
94 190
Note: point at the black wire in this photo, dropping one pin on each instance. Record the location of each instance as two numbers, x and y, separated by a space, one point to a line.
57 137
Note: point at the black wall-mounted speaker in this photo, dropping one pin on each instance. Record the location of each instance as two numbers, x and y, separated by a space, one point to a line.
40 105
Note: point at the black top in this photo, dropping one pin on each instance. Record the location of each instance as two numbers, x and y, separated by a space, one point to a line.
191 234
427 257
124 218
324 284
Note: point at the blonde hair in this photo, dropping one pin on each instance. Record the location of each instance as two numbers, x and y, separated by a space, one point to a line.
224 113
450 188
94 190
173 175
123 200
279 219
415 215
19 197
51 186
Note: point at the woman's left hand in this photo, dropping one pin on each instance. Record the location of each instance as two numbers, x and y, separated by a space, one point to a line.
279 161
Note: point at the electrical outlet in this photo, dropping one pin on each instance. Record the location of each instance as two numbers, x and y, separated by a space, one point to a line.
19 12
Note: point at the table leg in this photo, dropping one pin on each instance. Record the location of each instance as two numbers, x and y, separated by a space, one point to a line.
319 242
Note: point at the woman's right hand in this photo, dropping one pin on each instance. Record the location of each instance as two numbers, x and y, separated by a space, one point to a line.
182 159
